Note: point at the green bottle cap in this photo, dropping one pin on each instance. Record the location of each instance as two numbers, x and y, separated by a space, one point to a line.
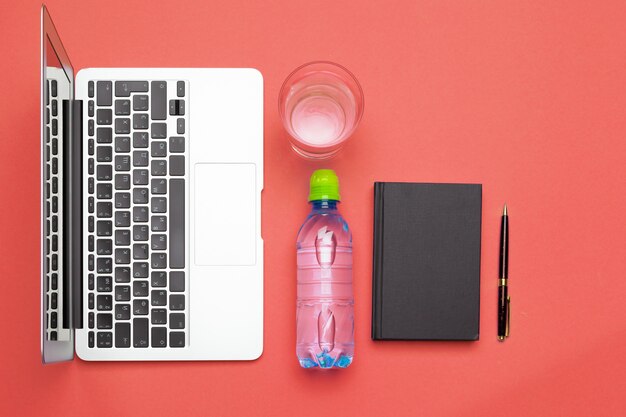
324 185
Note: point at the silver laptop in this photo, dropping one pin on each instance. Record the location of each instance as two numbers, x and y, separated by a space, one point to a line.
151 211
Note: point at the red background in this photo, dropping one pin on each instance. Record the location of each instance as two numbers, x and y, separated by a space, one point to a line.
526 97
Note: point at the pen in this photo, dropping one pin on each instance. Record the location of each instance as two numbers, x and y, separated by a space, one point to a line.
504 300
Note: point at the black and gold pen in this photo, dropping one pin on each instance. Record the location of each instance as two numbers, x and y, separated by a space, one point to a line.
504 300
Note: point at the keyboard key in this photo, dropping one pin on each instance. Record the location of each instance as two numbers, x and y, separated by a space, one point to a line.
53 301
104 116
90 262
140 332
140 251
158 100
177 281
104 172
122 163
122 335
158 204
177 223
105 339
177 302
140 158
177 144
177 165
158 316
122 200
104 247
180 89
104 153
177 320
90 108
122 144
158 149
90 89
122 219
122 255
105 284
104 191
140 307
140 270
159 298
158 261
104 265
140 102
54 106
122 311
180 126
104 134
158 131
158 224
140 214
122 237
105 320
159 337
140 233
53 320
122 293
122 181
124 88
91 337
140 288
140 177
122 273
104 210
122 107
91 320
159 186
122 125
91 301
140 139
177 339
159 168
140 121
158 279
90 126
104 228
105 93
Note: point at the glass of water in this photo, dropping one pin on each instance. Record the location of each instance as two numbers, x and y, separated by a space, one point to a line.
320 104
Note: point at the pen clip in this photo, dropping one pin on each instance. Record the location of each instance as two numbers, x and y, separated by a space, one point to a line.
508 315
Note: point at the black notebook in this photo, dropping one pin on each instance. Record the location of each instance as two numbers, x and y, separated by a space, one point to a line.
426 277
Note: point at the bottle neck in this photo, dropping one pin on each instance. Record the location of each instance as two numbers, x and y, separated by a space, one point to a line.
324 206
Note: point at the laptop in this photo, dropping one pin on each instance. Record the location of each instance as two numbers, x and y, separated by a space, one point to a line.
151 182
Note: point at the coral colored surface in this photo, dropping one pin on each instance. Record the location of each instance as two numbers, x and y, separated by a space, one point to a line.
526 97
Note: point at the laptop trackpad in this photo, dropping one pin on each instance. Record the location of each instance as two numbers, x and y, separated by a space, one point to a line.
225 214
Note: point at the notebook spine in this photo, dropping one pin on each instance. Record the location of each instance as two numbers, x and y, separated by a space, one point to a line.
377 268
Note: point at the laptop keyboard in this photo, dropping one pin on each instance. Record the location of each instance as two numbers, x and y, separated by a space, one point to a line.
136 206
54 214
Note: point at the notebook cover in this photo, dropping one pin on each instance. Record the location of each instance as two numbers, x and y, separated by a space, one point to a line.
426 274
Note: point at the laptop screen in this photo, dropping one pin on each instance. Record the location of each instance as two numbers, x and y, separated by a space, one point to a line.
56 88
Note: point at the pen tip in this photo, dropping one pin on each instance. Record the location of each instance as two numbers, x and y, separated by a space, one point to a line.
504 213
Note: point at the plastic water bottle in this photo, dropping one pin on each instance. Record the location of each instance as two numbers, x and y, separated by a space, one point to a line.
325 304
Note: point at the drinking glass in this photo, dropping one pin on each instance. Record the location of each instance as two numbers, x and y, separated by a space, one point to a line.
320 104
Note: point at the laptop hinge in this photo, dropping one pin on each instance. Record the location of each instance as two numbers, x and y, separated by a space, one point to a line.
72 213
